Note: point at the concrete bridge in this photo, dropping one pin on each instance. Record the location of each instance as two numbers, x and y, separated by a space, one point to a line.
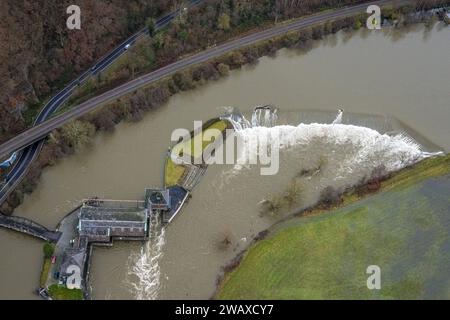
29 227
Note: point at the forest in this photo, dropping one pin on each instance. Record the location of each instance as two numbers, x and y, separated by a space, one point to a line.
39 54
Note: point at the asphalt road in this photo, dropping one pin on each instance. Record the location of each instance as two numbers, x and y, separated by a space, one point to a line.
28 153
43 128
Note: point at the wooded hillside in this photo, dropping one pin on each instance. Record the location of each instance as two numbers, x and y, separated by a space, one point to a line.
38 52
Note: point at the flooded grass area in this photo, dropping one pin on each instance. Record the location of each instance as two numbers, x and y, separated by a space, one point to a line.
403 231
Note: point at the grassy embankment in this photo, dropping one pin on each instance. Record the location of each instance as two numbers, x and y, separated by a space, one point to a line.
173 172
46 266
48 250
58 292
403 229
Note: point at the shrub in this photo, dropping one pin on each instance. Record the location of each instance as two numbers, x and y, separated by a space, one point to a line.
49 249
223 69
223 22
236 59
78 133
183 80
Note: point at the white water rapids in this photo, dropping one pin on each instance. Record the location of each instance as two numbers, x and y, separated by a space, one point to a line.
143 267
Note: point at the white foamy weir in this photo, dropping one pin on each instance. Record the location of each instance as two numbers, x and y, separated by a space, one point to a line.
144 275
233 115
345 154
338 119
348 153
264 117
352 151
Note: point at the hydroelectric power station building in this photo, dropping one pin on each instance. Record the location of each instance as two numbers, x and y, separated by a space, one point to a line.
100 222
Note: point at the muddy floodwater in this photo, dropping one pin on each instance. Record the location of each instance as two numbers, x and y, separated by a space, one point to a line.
403 74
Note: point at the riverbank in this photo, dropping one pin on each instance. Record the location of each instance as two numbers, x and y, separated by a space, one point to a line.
71 138
398 224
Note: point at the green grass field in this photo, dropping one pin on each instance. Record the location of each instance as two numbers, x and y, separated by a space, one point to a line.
403 230
58 292
174 172
188 147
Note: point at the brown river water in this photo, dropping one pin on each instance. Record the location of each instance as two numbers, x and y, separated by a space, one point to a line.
404 74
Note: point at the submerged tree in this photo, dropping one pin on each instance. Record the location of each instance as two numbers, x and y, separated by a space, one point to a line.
224 240
273 204
292 194
330 196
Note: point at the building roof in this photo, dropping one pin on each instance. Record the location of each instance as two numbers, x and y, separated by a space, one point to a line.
72 257
131 214
100 223
178 196
158 198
